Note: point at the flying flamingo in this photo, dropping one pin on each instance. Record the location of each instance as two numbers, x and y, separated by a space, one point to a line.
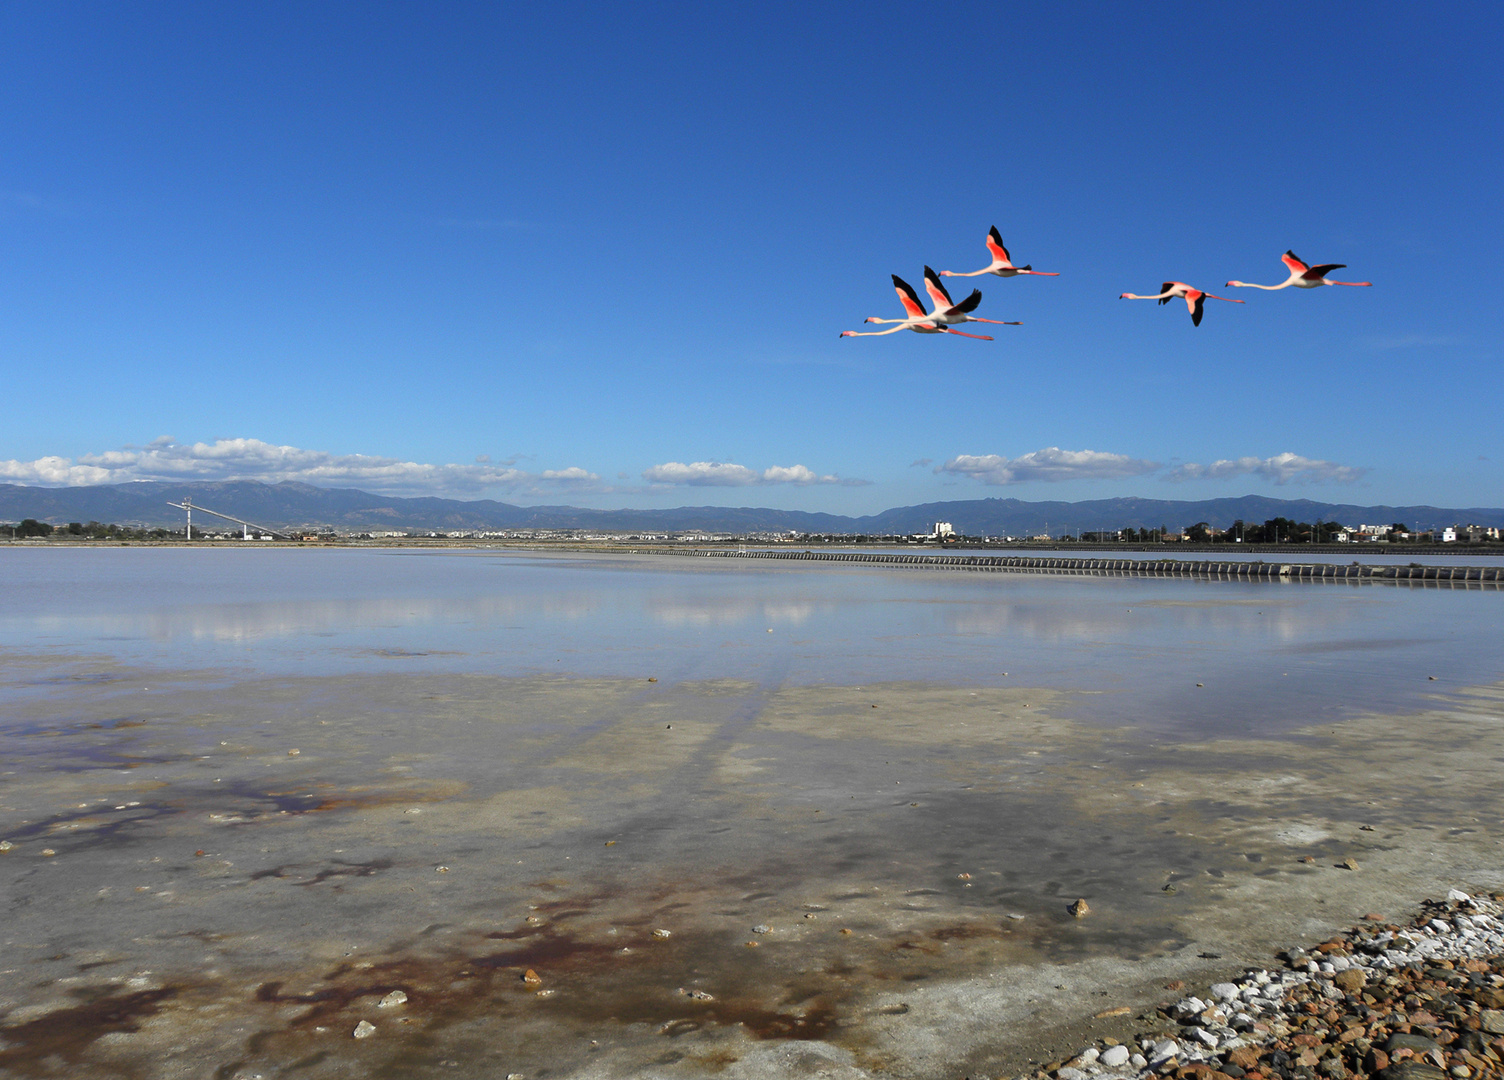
1194 298
1302 276
918 321
951 313
1002 262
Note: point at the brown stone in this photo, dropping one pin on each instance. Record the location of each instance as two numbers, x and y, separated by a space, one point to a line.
531 977
1492 1021
1351 980
1375 1060
1244 1057
1079 909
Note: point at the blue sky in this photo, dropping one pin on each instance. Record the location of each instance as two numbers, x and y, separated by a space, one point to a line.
600 254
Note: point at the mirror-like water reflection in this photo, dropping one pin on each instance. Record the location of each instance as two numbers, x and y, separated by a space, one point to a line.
1267 653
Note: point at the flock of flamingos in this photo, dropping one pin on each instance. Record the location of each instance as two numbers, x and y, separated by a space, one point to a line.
948 313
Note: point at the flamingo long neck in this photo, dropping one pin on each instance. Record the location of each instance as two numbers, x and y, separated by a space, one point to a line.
1348 283
971 273
1266 288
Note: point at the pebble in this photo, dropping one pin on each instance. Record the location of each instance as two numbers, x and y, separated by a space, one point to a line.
663 933
762 928
392 1000
1114 1056
6 845
1423 1001
532 978
364 1030
1079 910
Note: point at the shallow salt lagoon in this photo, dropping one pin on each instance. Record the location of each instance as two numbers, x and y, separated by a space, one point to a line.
249 793
1269 653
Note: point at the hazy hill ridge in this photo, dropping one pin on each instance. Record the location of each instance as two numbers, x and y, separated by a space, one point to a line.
288 504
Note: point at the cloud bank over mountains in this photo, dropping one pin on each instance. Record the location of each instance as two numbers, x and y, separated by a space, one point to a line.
1054 465
253 459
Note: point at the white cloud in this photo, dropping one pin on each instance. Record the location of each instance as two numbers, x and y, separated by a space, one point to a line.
725 474
252 459
1049 465
572 475
1286 468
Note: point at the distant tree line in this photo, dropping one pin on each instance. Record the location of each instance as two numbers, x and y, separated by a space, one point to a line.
94 530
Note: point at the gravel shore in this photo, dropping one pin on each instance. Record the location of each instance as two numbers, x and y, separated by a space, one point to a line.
1412 1002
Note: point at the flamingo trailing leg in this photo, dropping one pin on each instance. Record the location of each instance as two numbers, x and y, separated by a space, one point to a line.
1194 298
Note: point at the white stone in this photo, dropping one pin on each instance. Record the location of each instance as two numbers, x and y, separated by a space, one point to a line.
1138 1061
1458 895
1205 1036
1087 1056
364 1030
1068 1073
1114 1056
1164 1051
396 997
1225 991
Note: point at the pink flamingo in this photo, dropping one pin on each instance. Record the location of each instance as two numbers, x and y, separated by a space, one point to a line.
1302 276
951 313
1194 298
918 321
1002 262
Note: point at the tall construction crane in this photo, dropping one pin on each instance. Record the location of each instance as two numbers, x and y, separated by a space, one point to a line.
187 505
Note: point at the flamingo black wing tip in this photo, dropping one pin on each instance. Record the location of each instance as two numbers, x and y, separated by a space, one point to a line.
970 303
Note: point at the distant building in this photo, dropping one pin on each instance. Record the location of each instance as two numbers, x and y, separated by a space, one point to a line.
1448 535
942 530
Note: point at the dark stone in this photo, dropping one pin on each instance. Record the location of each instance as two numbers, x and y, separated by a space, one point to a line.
1410 1069
1402 1041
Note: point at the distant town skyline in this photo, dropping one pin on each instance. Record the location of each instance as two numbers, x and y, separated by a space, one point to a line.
600 257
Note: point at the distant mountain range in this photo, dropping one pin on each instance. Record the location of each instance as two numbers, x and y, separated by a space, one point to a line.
289 504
